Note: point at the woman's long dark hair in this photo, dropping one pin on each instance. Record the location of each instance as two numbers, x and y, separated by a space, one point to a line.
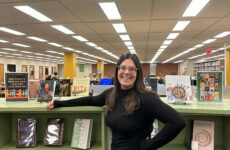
133 100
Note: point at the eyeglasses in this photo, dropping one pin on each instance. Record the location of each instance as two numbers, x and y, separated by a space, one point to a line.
130 69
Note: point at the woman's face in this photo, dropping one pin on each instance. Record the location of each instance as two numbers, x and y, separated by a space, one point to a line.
127 74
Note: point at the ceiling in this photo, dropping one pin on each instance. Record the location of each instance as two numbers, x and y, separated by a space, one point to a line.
148 23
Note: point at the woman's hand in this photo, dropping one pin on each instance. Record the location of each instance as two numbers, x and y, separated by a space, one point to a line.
50 105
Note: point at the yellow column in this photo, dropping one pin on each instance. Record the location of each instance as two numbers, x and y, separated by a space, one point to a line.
70 66
227 67
100 69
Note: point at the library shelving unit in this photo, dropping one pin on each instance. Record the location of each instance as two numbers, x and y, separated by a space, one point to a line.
206 66
10 111
208 111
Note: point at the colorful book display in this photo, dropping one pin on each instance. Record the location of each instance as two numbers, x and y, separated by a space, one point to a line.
33 88
209 86
82 133
80 87
178 88
46 90
26 132
54 132
203 133
16 86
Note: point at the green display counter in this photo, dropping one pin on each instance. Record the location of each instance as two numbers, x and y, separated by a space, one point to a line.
10 111
209 111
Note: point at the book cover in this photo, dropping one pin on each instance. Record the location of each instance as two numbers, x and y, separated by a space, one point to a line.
178 88
33 88
46 90
54 132
16 86
82 131
209 86
80 87
26 132
203 133
65 87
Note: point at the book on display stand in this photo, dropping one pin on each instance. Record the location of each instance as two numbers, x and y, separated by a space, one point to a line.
16 86
209 86
178 89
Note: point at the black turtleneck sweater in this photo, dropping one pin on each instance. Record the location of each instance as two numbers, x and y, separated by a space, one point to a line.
129 132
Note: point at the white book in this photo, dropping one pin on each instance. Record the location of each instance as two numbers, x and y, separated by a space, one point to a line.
203 133
82 131
178 88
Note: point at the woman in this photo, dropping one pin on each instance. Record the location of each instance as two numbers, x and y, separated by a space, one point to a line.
131 109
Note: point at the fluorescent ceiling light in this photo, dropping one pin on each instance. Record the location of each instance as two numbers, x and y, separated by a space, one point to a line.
99 48
120 28
51 51
36 39
105 51
161 49
164 46
199 45
62 29
110 10
209 41
38 54
4 53
180 26
3 41
130 47
80 38
91 44
167 42
125 37
178 61
9 49
55 44
17 54
193 57
172 35
25 52
33 13
223 34
11 31
129 43
195 7
21 45
68 48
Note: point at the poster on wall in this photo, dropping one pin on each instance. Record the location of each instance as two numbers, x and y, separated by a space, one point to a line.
178 89
209 86
81 67
16 86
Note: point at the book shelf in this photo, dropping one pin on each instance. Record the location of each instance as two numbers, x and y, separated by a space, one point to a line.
10 111
206 66
217 112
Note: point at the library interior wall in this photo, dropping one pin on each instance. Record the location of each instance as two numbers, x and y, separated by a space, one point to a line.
87 70
20 62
